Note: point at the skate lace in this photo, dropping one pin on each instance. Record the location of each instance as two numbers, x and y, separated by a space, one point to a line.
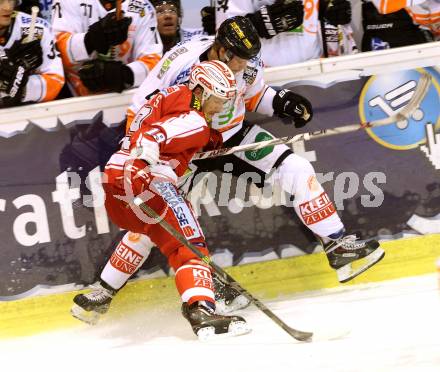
348 242
99 294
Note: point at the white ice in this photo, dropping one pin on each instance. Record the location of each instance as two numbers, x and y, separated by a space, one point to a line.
388 326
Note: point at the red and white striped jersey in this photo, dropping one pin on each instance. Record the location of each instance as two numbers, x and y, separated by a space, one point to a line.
141 51
173 120
46 81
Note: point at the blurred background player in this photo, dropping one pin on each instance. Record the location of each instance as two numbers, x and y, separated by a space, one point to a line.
169 19
45 7
30 71
166 132
103 51
237 43
391 24
291 31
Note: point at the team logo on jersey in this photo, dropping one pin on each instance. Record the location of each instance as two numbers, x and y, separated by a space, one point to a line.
177 53
136 6
38 32
250 74
255 155
165 67
383 95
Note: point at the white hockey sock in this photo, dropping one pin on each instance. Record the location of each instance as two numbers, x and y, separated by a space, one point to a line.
129 255
312 204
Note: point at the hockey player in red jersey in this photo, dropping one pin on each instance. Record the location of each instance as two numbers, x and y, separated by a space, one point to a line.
30 67
166 132
237 44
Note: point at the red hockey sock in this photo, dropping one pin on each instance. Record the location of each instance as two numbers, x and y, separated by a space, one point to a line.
194 283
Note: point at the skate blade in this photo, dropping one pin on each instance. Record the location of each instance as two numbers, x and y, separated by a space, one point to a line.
235 329
89 317
240 302
353 269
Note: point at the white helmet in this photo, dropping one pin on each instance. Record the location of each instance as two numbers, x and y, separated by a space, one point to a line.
216 79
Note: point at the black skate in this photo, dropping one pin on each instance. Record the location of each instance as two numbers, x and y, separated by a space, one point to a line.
89 307
351 257
227 298
208 325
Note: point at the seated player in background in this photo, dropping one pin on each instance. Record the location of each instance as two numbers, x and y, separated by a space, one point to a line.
102 50
169 19
30 68
391 24
291 31
166 132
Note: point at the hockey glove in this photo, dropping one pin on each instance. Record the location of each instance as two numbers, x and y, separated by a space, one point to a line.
208 19
107 32
287 104
13 80
146 150
29 55
215 141
100 75
136 176
282 16
337 12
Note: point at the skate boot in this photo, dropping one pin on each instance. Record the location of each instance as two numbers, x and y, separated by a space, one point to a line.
351 257
227 298
90 306
208 325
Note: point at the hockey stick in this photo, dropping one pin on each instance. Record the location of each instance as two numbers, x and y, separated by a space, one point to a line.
418 96
118 9
30 37
298 335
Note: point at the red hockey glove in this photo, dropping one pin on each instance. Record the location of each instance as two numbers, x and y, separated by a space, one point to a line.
136 176
215 141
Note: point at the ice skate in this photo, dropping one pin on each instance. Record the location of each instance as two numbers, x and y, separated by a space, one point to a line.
208 325
227 298
351 257
90 306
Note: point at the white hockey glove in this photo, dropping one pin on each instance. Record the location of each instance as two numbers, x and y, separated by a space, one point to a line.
146 150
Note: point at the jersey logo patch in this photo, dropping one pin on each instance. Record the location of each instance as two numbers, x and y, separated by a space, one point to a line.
136 6
165 67
249 75
255 155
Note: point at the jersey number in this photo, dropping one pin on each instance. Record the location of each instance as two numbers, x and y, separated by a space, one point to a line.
56 10
53 51
87 9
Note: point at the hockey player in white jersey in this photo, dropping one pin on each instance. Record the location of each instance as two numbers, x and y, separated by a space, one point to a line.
238 45
103 51
424 13
290 30
169 23
30 68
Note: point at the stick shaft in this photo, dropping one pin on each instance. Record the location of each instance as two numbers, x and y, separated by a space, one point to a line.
118 9
34 14
405 113
299 335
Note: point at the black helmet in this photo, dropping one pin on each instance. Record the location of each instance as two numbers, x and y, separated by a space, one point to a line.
239 35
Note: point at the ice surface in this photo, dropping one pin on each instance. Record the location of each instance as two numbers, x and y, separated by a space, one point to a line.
388 326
